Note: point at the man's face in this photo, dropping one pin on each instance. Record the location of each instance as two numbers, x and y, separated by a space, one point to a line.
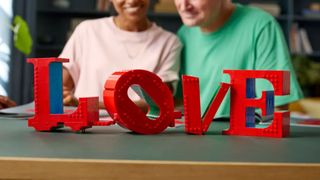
199 12
131 9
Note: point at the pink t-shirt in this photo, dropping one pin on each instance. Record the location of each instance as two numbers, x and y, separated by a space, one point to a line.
98 48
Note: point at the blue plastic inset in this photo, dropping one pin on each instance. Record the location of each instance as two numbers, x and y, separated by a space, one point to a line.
55 88
251 88
250 93
270 102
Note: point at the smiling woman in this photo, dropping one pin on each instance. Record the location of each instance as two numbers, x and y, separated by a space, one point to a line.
5 37
128 40
132 15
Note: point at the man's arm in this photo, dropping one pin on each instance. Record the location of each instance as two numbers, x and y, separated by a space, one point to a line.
272 54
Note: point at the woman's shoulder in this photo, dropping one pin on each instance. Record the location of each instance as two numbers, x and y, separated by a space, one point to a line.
159 31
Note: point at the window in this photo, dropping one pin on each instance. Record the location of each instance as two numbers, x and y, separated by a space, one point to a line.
5 43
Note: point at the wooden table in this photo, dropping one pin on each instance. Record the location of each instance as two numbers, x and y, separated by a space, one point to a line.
116 153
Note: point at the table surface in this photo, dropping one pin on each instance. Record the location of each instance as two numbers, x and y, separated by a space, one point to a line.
116 143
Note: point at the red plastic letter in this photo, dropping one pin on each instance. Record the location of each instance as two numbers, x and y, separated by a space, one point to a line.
240 103
126 113
191 95
84 117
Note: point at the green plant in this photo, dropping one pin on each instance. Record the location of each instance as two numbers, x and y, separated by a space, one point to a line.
21 35
308 73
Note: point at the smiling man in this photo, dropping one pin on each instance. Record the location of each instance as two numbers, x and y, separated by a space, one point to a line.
219 35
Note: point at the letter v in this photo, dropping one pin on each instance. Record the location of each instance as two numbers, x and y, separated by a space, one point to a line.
191 95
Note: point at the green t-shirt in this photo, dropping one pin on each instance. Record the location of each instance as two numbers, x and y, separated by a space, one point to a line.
250 40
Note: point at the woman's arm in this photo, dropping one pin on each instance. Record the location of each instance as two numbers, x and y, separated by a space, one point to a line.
6 102
68 89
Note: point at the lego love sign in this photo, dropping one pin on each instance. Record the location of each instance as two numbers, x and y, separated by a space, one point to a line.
49 108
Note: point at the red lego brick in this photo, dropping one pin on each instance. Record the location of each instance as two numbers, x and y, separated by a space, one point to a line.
86 115
126 113
191 95
240 103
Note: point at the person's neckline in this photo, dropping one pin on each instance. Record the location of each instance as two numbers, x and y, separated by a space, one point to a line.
114 25
226 24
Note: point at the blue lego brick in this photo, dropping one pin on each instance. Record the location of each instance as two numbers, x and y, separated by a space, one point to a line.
251 88
55 88
270 102
250 117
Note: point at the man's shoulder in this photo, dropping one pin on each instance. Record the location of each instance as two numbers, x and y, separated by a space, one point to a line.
254 14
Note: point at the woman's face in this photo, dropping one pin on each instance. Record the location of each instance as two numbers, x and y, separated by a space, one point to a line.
133 10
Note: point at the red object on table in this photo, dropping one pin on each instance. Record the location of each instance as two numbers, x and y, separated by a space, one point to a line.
280 80
191 96
86 115
126 113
